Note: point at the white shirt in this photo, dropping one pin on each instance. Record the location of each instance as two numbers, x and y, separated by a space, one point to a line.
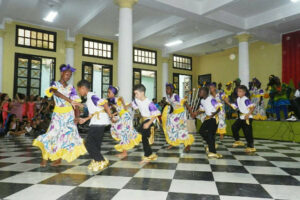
209 105
243 104
146 107
297 93
95 104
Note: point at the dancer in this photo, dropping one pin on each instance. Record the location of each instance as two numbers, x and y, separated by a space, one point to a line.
246 108
228 92
175 122
122 130
149 113
100 117
219 96
62 140
208 129
257 98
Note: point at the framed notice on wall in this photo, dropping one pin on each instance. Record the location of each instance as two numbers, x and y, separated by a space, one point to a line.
204 78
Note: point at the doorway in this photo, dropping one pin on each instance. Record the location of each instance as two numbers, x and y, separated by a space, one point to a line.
99 75
183 84
148 78
33 74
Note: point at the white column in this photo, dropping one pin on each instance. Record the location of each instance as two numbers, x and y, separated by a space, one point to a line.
1 58
125 48
70 57
244 72
165 75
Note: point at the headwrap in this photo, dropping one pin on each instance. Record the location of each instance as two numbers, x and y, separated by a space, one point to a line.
230 82
113 89
256 81
67 67
213 84
171 85
237 80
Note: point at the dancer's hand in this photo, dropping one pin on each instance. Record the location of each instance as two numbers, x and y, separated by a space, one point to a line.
247 117
74 104
146 125
82 121
76 120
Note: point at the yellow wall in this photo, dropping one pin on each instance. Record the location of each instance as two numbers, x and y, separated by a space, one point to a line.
264 58
79 58
10 49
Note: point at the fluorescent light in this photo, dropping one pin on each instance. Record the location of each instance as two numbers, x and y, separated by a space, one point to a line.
51 16
173 43
294 1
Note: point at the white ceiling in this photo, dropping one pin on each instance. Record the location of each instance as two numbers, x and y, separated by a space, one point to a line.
204 26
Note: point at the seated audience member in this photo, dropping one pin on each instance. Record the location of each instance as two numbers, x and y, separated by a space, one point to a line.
2 130
295 105
13 126
28 129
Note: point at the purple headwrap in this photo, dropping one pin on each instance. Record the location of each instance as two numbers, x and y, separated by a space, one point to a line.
171 85
113 89
213 84
67 67
257 81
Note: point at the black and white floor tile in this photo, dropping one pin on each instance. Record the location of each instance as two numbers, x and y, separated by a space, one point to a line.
271 173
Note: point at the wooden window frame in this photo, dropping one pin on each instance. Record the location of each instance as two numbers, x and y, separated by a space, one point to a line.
98 41
36 30
145 50
187 57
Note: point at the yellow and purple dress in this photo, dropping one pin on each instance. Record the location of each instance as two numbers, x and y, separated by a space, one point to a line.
257 98
175 123
221 115
122 130
62 140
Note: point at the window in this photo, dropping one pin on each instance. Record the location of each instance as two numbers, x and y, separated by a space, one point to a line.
182 62
96 48
144 56
100 77
35 38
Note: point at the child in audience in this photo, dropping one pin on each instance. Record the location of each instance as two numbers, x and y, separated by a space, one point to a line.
149 112
5 107
30 108
100 117
28 129
246 108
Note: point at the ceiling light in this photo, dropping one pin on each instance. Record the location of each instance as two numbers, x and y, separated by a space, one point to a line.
51 16
294 1
117 34
173 43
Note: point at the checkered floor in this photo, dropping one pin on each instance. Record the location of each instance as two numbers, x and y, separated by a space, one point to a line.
271 173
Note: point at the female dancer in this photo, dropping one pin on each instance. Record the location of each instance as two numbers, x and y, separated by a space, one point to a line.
122 130
219 97
62 140
257 98
175 123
